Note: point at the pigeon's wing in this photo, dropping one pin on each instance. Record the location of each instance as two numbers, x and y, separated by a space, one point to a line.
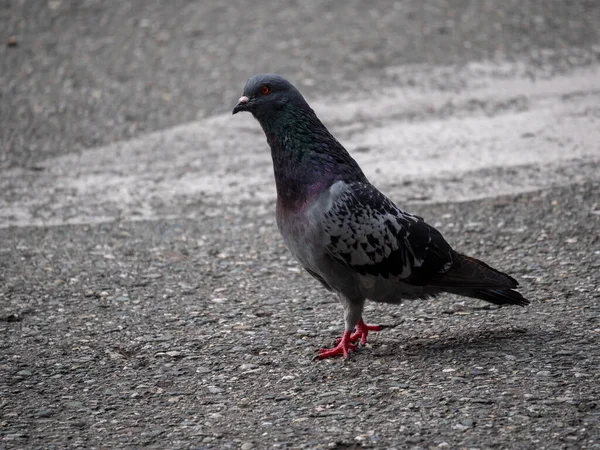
364 230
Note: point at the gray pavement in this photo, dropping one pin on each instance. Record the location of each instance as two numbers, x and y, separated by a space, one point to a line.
146 298
87 73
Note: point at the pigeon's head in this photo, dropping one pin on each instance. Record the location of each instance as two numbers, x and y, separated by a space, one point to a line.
266 94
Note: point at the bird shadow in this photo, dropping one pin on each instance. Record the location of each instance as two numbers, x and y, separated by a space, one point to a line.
509 339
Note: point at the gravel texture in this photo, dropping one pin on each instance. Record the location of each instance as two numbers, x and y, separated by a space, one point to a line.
82 73
201 334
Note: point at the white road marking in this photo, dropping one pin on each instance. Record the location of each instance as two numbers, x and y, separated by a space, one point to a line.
500 133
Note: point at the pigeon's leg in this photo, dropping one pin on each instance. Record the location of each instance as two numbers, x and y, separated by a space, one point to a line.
352 316
362 330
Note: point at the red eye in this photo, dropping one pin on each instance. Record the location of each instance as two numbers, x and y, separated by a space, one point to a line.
265 90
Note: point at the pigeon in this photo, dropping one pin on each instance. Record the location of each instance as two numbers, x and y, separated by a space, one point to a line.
344 232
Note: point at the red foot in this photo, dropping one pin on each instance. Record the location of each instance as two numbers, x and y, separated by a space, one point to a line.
362 330
341 349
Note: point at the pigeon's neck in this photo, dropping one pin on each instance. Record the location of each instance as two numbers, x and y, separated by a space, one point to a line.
307 159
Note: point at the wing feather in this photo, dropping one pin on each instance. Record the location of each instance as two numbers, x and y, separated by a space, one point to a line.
367 232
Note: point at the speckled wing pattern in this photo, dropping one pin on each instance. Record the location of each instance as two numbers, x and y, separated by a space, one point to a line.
371 235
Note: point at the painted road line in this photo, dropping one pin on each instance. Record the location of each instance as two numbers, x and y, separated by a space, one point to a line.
449 144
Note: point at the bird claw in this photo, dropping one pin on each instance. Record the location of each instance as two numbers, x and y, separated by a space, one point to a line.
339 349
347 341
362 330
342 348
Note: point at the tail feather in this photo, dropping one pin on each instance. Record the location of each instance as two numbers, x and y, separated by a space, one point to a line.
495 296
471 277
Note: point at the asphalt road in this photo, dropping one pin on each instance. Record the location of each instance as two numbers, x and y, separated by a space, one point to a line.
146 299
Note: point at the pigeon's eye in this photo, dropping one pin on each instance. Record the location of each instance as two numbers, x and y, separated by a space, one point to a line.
265 90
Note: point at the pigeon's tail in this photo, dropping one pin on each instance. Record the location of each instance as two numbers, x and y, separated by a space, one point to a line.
471 277
495 296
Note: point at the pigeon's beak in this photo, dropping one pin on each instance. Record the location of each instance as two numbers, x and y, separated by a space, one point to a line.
241 105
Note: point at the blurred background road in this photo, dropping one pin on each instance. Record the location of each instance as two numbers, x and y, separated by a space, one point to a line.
146 298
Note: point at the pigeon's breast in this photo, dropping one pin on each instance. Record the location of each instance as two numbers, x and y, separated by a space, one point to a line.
292 224
300 235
